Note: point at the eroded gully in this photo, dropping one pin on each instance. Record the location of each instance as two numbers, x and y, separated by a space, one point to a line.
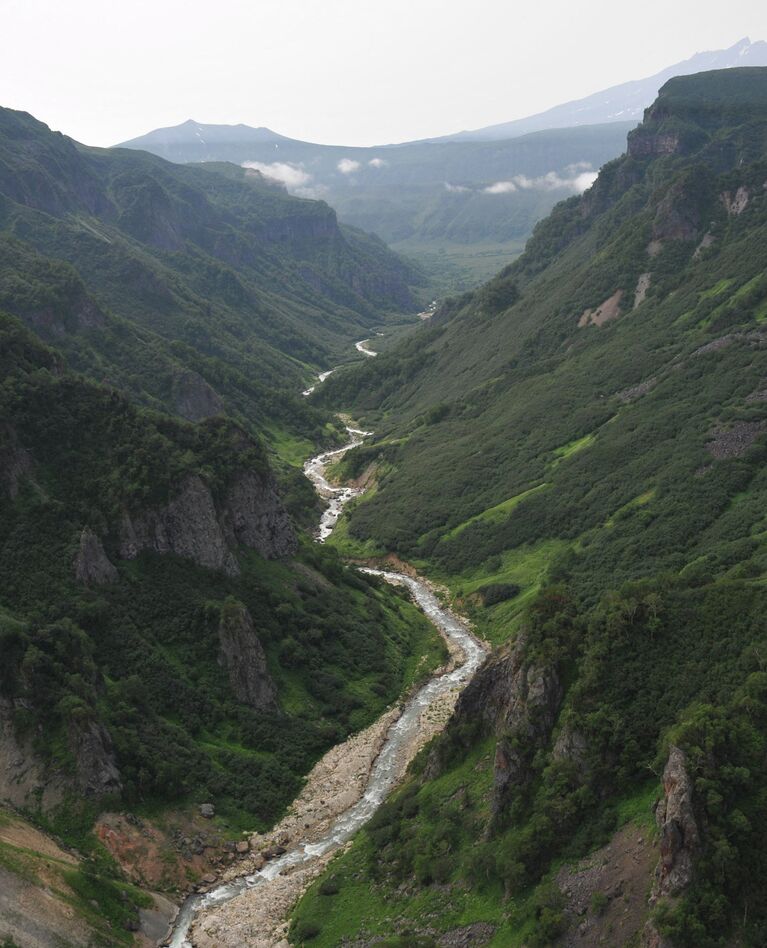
407 731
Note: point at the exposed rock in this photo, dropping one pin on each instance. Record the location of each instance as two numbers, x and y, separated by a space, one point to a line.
571 745
191 526
92 566
645 143
654 248
23 779
518 702
721 343
154 922
195 399
15 463
242 655
510 695
637 391
242 847
652 938
708 241
643 285
677 216
97 773
734 440
187 526
621 872
677 828
254 516
468 936
735 203
610 309
207 810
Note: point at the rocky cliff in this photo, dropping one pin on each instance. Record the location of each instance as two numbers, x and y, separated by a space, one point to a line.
242 655
518 701
194 526
27 782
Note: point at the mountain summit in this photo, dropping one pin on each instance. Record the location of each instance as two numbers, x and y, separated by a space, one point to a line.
620 103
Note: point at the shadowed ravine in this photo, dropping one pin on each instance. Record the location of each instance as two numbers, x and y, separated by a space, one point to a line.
401 739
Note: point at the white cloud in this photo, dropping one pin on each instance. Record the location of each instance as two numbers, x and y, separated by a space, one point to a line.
551 181
501 187
292 176
579 166
456 188
377 163
584 181
348 166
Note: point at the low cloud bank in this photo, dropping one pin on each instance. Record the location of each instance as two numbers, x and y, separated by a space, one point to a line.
377 163
292 176
577 181
348 166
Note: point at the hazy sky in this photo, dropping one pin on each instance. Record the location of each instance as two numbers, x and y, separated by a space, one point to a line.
354 72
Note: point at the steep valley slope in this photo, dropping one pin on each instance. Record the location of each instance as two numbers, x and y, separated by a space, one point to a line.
177 652
577 449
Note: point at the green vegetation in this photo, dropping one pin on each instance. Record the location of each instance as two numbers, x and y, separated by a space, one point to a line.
429 200
632 588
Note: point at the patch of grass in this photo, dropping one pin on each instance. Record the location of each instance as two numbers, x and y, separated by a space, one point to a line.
638 501
525 567
716 289
573 447
496 513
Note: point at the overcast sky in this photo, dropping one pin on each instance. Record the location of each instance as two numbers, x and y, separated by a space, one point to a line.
353 72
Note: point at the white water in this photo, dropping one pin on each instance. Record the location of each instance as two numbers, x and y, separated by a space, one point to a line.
362 346
337 497
320 379
389 765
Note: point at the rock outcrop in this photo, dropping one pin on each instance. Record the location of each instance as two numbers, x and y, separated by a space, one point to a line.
192 526
677 828
187 526
23 781
254 516
195 399
15 463
96 769
92 565
519 702
242 655
26 782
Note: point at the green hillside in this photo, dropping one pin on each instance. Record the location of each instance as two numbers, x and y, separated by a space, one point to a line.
462 209
195 289
577 449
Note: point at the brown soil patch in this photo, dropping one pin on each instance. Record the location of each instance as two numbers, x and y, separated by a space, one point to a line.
170 859
21 834
620 872
610 309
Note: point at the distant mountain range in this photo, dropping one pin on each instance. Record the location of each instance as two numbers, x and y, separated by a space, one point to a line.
621 103
486 187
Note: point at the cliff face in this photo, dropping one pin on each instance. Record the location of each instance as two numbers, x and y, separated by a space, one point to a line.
677 829
27 782
193 526
242 655
519 703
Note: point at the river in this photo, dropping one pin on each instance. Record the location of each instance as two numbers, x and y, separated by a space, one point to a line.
397 746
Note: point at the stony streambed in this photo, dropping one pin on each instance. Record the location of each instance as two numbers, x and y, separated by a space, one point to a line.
345 788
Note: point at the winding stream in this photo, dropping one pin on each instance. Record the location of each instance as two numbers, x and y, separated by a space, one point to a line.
393 757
